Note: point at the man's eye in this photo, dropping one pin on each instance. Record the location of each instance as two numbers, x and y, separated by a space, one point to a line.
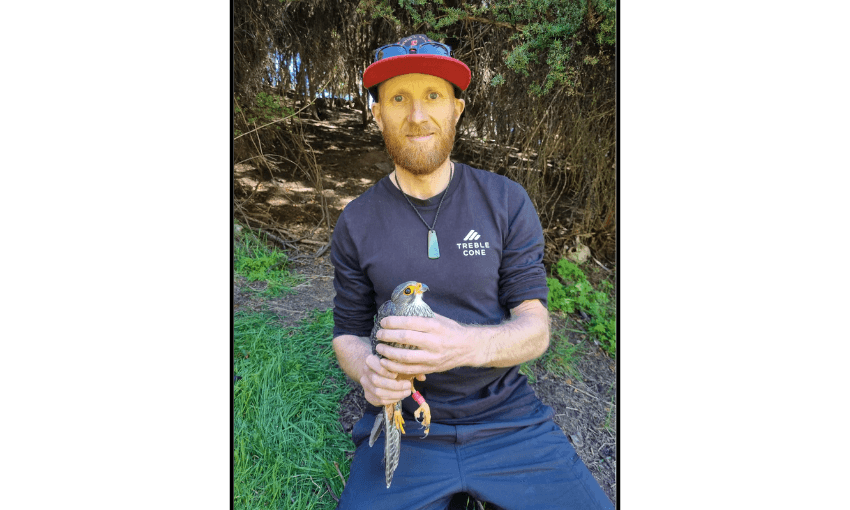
398 99
434 95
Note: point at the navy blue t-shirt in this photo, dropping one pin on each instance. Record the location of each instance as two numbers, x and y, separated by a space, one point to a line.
491 253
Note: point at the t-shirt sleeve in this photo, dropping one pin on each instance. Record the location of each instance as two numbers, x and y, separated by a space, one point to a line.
354 303
522 275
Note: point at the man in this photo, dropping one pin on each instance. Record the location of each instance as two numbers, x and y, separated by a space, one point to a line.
474 238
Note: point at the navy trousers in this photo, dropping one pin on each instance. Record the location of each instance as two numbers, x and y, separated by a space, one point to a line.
526 463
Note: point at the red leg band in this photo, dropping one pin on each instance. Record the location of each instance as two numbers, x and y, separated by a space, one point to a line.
418 398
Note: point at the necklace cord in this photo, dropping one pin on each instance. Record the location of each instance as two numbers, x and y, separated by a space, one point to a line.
451 174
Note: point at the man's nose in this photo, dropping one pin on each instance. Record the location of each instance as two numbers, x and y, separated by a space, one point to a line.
417 113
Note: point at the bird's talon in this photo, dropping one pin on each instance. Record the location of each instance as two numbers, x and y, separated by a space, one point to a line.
398 421
425 412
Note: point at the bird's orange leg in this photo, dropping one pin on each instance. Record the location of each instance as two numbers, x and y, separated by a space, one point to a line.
396 419
423 413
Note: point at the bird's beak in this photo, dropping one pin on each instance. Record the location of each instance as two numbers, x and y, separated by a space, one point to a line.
420 288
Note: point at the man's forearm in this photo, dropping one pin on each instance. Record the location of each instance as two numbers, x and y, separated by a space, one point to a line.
351 351
522 338
440 344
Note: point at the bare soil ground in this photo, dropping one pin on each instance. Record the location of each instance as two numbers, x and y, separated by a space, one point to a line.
352 159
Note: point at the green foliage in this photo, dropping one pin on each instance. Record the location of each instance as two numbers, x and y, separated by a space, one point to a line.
549 24
286 432
266 108
256 261
570 292
558 299
608 28
378 9
546 30
269 106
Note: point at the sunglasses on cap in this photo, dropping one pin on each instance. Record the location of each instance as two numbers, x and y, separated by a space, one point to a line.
428 48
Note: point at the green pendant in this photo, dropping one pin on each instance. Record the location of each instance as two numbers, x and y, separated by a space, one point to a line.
433 246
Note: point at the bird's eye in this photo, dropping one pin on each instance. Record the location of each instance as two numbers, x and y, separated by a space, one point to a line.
408 290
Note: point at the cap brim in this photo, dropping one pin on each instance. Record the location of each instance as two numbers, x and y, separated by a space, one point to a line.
447 68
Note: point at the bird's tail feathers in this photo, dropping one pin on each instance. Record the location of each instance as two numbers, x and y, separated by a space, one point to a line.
392 446
376 428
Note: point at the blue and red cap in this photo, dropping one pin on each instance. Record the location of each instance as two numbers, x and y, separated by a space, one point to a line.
415 54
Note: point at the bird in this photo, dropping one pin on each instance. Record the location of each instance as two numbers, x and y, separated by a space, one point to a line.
406 300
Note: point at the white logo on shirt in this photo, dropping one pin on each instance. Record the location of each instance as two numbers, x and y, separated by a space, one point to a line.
473 248
472 236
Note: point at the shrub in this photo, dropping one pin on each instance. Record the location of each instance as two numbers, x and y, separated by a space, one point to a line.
571 292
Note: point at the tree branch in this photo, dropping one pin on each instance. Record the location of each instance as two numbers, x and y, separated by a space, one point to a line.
495 23
288 116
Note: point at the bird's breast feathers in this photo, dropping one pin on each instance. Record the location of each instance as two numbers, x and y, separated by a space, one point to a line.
419 307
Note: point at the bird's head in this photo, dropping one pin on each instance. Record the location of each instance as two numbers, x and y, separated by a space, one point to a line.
408 292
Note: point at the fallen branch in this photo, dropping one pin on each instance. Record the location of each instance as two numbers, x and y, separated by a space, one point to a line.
566 407
594 396
300 312
322 250
284 244
339 473
331 491
607 444
600 264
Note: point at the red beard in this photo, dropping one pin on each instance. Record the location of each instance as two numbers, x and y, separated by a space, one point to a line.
414 158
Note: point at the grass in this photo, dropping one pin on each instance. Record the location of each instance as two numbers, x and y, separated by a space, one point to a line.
287 435
607 423
559 359
562 356
525 369
257 260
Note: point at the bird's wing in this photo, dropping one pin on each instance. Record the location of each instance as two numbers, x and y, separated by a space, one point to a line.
386 309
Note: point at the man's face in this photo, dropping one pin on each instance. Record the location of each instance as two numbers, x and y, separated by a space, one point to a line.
417 114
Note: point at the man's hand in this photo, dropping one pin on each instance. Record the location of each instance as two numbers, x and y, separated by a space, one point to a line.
382 387
441 344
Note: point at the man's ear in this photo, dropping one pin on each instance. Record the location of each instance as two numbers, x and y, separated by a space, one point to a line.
460 104
376 112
